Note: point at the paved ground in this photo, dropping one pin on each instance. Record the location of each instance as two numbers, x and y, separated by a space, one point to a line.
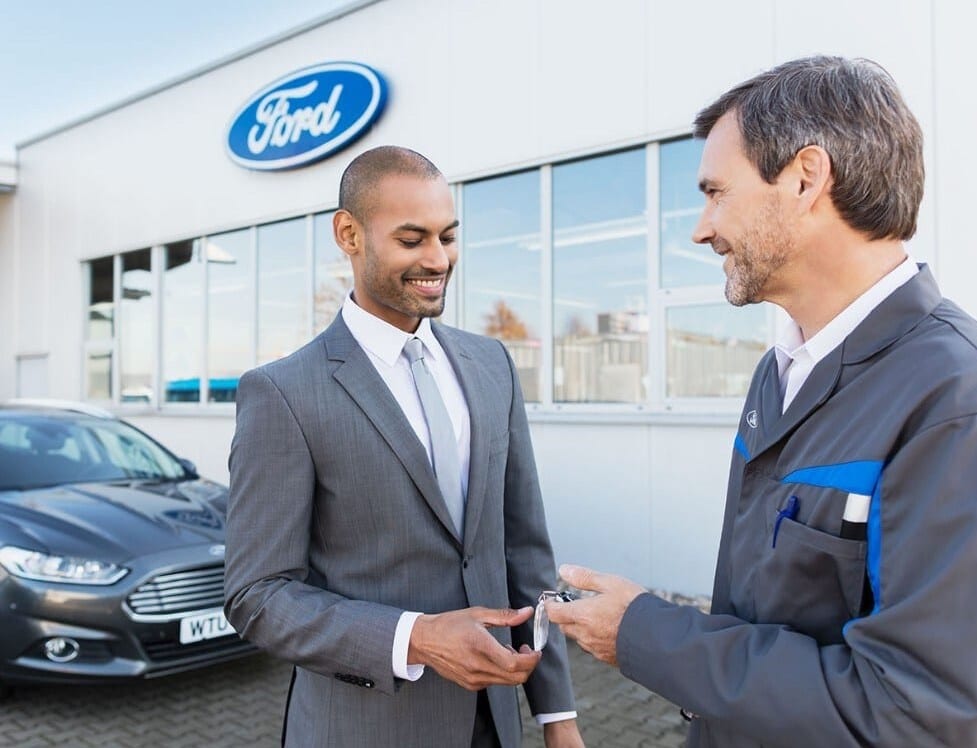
239 705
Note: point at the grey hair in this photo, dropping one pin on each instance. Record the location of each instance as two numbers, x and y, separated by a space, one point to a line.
357 186
852 109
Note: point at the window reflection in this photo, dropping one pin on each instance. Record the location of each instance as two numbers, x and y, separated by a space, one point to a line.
98 371
136 337
230 309
501 264
101 311
283 320
182 322
713 349
333 272
600 276
683 263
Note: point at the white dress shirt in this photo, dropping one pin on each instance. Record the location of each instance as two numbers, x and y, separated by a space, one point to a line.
796 357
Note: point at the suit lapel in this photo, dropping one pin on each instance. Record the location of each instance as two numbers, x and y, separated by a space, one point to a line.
357 375
473 384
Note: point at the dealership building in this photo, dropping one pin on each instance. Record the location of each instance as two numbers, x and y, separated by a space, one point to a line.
153 251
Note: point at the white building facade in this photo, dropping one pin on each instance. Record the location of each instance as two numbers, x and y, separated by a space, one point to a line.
144 269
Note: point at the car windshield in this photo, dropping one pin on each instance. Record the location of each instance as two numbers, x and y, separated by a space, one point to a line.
38 450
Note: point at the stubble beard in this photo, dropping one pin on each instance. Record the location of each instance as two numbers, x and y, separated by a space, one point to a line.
394 293
763 250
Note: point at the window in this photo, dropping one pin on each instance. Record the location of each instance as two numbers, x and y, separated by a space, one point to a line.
600 280
501 264
100 329
230 311
590 266
711 348
182 324
683 263
283 320
136 328
333 273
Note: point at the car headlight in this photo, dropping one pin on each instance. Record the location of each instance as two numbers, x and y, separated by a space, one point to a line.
64 569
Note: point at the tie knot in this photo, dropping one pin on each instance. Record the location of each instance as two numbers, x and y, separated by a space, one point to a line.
414 350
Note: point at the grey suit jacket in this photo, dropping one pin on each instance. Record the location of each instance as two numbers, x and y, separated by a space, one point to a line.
336 526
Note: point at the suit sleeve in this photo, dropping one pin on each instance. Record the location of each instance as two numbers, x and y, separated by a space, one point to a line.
269 521
905 674
530 565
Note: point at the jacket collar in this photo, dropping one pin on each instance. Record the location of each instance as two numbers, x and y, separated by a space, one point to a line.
762 424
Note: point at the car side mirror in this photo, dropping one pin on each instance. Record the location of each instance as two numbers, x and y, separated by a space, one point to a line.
189 467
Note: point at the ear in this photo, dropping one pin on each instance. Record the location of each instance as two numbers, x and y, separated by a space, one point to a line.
347 232
812 172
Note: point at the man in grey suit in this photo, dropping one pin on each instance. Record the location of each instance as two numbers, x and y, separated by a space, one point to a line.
385 528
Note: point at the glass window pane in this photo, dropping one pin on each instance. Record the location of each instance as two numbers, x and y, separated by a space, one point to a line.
230 306
182 322
333 272
600 277
136 334
101 311
683 263
500 261
98 369
283 319
713 349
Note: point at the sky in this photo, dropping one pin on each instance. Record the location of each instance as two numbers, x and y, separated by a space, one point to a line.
63 59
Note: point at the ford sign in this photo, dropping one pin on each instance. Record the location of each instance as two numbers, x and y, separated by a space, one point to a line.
306 116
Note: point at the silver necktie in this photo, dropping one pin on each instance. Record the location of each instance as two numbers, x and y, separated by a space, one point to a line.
444 447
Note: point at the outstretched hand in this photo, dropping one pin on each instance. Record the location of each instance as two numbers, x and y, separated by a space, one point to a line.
593 622
459 647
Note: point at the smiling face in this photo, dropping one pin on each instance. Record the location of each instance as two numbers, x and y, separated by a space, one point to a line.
404 250
743 218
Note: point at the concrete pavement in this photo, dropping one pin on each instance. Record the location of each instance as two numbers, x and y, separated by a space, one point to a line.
239 705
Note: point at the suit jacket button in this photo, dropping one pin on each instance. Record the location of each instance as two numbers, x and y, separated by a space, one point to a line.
368 683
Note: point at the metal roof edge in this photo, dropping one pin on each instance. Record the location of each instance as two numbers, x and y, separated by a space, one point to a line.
351 7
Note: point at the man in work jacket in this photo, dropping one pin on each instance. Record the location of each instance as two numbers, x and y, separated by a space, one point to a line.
844 610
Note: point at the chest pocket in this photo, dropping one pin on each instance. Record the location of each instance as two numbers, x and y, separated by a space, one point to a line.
811 580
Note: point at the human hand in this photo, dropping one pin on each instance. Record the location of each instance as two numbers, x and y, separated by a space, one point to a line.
459 647
562 734
593 621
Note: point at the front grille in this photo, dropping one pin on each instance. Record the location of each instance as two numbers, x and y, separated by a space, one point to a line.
164 651
171 595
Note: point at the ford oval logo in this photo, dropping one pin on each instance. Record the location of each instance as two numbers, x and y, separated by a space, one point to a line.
306 116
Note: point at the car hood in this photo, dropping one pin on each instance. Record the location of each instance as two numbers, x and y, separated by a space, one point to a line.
114 522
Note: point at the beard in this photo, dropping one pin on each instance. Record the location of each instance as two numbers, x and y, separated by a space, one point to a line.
395 293
764 248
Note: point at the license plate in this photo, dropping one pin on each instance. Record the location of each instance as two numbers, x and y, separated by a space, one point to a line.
209 625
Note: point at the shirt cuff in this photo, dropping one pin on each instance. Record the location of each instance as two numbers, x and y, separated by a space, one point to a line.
401 644
542 719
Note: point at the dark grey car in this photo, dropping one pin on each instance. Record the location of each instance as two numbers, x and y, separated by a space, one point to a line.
111 553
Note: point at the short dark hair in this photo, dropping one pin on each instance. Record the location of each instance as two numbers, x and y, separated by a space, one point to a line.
360 179
851 108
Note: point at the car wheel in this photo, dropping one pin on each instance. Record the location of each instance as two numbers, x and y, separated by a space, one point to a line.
5 691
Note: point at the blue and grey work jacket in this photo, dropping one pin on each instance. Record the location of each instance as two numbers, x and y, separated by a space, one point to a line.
821 636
